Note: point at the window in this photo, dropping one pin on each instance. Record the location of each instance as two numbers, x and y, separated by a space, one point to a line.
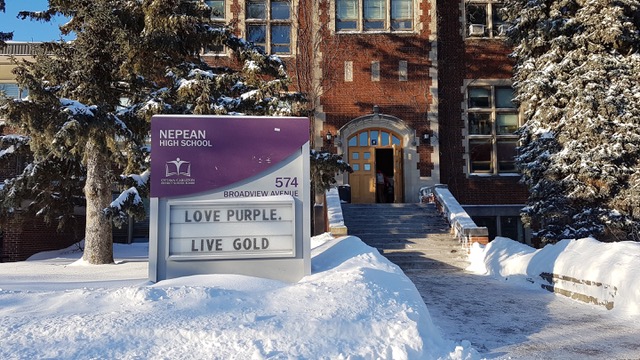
13 91
375 71
484 19
492 119
218 17
269 25
374 15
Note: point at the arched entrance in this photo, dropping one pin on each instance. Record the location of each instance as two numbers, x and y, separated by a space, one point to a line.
375 155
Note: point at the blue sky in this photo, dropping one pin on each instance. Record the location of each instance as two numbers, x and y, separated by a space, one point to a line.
28 30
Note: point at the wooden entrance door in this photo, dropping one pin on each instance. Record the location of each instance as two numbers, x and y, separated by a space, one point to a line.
362 179
362 158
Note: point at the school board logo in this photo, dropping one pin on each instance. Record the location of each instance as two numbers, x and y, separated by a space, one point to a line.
178 167
177 172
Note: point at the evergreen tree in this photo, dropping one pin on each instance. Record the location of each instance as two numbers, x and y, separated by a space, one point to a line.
90 101
577 79
3 35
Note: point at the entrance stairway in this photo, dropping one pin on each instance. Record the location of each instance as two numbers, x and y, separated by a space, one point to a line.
413 236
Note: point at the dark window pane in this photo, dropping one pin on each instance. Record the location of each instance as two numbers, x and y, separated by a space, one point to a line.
479 97
401 24
218 8
506 156
479 124
257 34
477 14
256 10
373 25
504 97
480 156
280 39
280 10
346 25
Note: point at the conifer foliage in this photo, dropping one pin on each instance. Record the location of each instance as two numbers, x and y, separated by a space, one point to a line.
3 35
577 79
86 120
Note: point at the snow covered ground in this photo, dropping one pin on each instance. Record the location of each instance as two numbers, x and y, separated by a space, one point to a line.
354 305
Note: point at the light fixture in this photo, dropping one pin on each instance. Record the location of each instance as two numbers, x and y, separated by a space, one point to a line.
329 136
426 136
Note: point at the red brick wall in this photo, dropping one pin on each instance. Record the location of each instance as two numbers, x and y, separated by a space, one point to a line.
460 59
407 100
25 237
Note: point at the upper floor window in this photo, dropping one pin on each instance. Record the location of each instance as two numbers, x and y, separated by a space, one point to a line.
217 7
13 91
492 120
374 15
218 15
268 25
484 19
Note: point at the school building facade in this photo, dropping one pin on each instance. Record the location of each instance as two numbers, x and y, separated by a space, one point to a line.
417 89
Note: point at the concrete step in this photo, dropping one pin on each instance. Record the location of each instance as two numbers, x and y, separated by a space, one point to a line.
413 236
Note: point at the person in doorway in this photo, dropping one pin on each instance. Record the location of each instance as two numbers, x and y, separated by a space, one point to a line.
382 182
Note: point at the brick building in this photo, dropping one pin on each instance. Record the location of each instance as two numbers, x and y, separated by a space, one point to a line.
418 90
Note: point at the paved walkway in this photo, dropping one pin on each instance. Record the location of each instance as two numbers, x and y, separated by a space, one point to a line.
500 319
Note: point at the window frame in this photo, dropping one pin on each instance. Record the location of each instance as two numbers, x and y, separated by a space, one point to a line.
269 22
492 29
218 21
390 22
491 135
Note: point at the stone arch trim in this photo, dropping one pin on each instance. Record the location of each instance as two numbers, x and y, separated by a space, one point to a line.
411 174
377 120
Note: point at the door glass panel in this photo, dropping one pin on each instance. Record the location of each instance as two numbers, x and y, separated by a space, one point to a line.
384 138
355 167
367 167
395 140
367 155
353 141
374 138
355 156
364 139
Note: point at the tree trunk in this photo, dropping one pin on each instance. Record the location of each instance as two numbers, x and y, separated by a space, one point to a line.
98 247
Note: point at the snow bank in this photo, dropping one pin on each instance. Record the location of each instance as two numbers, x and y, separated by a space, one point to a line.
354 305
609 272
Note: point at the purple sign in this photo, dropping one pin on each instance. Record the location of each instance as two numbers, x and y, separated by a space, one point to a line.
192 154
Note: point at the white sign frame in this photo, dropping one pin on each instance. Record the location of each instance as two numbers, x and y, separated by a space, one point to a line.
239 204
